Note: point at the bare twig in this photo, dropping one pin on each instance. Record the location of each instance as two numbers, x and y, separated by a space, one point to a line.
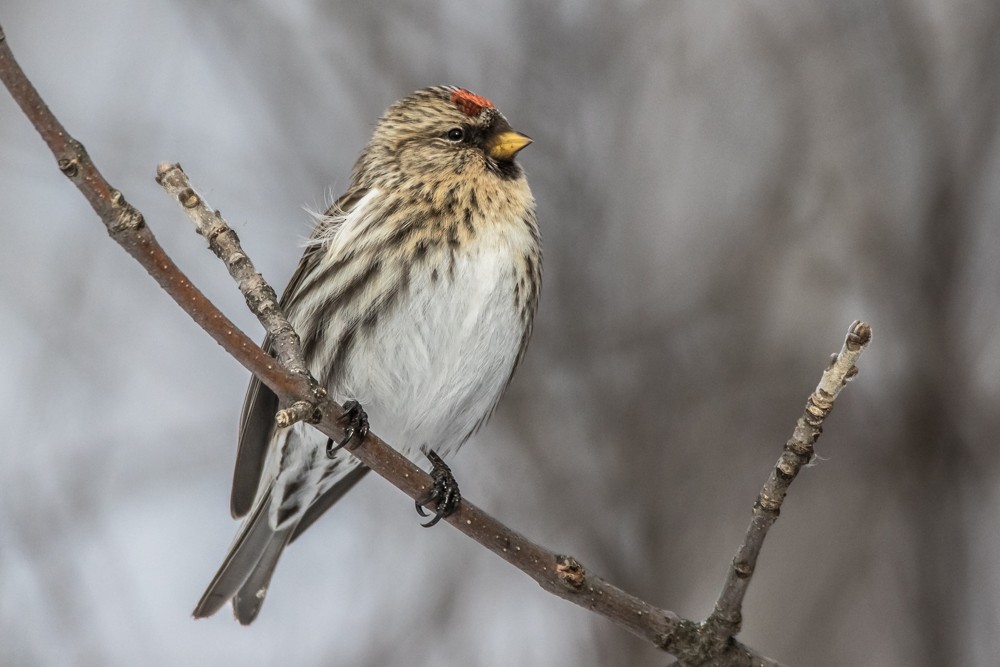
726 619
260 296
561 575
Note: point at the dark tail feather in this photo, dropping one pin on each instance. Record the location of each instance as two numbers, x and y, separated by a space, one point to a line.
251 559
250 598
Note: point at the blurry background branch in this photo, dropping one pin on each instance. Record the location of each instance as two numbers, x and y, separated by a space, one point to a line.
711 643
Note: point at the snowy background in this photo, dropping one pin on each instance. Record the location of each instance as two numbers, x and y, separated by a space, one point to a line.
723 187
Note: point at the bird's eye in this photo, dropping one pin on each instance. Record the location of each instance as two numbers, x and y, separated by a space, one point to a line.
456 134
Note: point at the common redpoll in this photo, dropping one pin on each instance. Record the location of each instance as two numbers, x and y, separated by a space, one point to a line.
414 298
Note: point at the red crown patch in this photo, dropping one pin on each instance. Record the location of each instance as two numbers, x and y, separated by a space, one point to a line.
469 103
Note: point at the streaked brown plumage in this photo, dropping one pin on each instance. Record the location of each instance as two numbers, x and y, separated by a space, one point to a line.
415 296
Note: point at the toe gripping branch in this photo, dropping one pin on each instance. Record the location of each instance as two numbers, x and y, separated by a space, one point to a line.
356 427
443 492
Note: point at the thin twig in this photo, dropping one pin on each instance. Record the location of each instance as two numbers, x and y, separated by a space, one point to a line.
261 297
726 618
797 453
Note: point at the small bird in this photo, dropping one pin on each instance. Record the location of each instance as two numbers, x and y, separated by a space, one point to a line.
414 298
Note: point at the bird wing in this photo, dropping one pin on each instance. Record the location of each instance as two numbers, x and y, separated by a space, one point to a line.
259 408
261 404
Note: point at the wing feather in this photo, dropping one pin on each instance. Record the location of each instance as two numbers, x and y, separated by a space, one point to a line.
261 404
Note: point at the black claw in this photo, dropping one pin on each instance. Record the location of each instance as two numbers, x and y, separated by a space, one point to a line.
444 491
357 427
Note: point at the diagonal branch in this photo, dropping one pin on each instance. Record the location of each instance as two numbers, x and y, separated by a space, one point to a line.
126 225
261 297
222 240
726 618
706 643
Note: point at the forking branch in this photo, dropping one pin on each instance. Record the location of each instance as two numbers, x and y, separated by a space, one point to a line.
711 642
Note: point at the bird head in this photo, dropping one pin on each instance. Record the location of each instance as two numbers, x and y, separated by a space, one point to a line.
440 132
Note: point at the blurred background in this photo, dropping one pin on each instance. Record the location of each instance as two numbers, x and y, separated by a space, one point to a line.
723 187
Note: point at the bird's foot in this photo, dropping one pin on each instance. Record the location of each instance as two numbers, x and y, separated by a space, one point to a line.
443 492
356 428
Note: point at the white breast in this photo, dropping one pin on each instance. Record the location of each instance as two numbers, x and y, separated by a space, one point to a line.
434 368
430 368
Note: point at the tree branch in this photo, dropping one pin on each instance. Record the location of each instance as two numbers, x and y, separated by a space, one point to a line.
693 643
126 226
726 618
260 296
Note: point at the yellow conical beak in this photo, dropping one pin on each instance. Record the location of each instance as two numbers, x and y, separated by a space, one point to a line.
506 145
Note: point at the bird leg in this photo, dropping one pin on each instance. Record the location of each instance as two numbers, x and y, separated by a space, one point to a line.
443 492
357 427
